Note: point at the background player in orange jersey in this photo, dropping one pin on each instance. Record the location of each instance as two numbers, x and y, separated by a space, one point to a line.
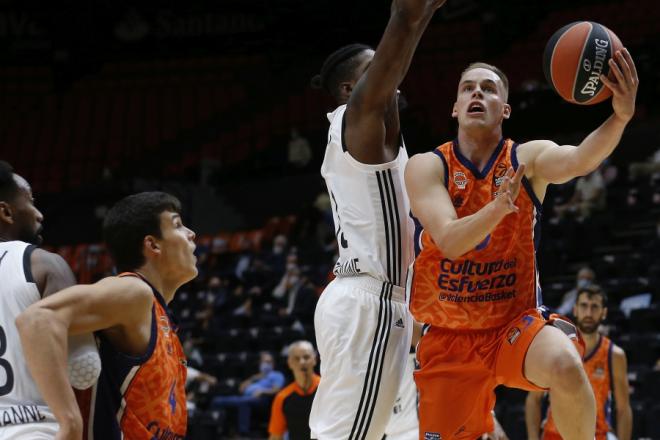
140 394
475 278
606 366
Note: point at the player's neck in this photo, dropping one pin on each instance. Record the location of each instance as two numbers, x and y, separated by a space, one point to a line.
164 286
478 145
590 341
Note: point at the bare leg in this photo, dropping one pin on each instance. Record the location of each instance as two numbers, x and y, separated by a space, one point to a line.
553 362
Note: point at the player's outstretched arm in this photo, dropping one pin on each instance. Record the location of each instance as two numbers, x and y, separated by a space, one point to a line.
44 328
624 416
560 163
52 274
533 414
431 204
374 94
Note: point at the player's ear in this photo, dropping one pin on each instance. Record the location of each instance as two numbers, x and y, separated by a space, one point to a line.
454 111
507 111
345 90
6 214
604 313
151 244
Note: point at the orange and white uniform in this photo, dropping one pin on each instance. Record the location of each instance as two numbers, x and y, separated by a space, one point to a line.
598 365
480 309
142 398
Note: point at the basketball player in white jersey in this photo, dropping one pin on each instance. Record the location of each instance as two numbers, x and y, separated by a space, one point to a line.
363 327
27 274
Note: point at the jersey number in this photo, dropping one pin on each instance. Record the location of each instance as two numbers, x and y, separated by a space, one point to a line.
5 365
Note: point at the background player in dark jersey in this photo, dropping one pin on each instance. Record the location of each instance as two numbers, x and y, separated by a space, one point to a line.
140 394
28 273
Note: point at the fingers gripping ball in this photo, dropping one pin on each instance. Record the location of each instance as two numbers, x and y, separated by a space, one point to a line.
574 59
84 365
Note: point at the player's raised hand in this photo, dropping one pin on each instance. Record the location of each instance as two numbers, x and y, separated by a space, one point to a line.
509 189
417 8
624 89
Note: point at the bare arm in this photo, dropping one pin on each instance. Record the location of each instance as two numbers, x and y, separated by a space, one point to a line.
431 204
624 418
533 414
51 273
275 437
45 325
554 163
368 125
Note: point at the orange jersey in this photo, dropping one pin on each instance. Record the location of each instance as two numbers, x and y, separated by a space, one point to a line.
598 365
497 280
290 410
143 398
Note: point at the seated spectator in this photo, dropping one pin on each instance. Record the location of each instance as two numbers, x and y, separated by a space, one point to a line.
292 405
649 167
585 278
255 391
197 382
589 195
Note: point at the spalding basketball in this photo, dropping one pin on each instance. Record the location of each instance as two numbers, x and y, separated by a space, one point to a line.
574 59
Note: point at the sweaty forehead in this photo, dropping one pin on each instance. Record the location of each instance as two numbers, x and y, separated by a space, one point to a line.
480 74
23 185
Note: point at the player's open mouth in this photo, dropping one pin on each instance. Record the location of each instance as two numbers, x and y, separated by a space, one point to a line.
476 108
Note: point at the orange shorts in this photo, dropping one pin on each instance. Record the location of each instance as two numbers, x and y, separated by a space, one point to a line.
459 371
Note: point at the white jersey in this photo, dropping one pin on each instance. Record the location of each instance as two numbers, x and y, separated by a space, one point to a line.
370 209
20 402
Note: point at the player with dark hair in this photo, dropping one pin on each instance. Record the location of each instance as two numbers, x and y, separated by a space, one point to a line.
140 394
477 201
363 327
607 369
29 274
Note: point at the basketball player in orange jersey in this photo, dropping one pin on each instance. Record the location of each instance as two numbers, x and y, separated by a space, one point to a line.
140 394
477 201
606 367
363 326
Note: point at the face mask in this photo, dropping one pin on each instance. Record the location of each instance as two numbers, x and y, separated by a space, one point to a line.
582 283
266 367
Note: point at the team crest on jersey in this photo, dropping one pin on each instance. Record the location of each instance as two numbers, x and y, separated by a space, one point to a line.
599 372
460 179
512 335
498 175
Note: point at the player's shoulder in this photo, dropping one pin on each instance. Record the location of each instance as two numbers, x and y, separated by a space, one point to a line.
45 264
427 160
530 149
424 166
44 257
133 288
618 352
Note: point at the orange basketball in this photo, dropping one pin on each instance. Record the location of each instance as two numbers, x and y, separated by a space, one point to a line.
574 59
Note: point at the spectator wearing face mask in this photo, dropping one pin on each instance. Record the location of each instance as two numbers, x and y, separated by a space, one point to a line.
585 278
255 391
